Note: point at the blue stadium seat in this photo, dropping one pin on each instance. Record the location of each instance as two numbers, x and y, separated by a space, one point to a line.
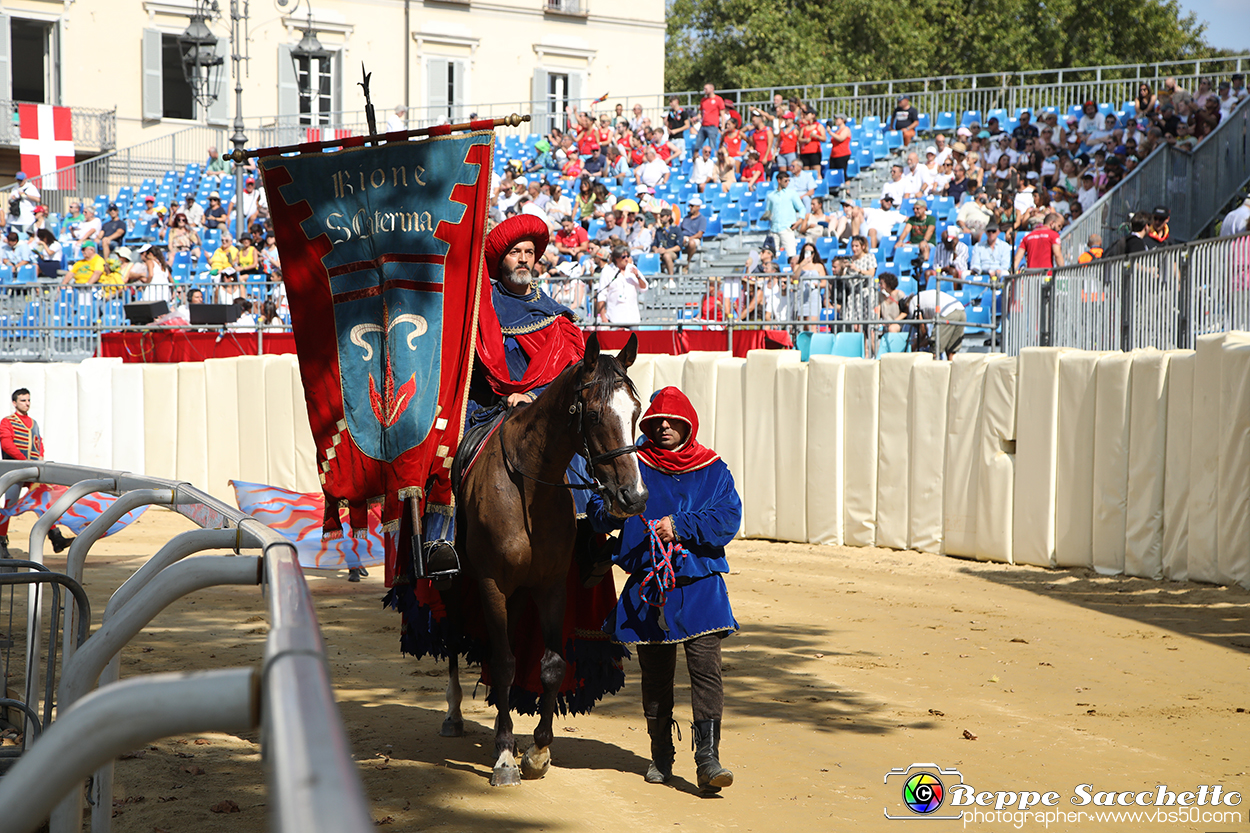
1106 109
648 263
945 121
894 343
1130 109
885 247
922 123
979 314
850 345
731 215
852 168
822 344
826 247
908 285
804 344
970 118
871 124
27 274
714 228
999 113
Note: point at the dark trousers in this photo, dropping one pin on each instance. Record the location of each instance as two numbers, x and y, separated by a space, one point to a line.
658 664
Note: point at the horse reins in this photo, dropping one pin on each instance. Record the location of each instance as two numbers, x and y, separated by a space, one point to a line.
577 409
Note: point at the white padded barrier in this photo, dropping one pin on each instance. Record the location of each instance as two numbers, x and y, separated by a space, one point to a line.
253 465
1176 465
1037 417
1204 459
759 506
790 451
859 474
95 412
731 374
128 413
826 384
668 371
306 478
280 421
221 382
962 472
894 448
6 389
60 422
642 374
1148 420
1234 468
996 481
698 382
1074 460
193 426
1111 440
926 417
160 418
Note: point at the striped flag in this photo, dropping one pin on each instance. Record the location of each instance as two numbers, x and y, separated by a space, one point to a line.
47 143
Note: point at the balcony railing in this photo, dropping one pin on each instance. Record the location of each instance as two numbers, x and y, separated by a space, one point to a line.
94 129
576 8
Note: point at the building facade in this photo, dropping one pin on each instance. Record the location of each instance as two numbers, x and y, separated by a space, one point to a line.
451 58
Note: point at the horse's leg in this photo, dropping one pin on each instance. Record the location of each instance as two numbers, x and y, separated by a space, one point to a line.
453 725
551 604
502 670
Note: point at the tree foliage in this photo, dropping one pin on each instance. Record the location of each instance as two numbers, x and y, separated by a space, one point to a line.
764 43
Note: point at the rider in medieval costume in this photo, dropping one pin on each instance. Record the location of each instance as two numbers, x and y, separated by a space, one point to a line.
676 591
524 340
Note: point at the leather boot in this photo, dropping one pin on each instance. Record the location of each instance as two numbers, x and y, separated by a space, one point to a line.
711 775
59 541
662 751
4 547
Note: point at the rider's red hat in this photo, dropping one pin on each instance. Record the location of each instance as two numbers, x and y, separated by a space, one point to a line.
510 232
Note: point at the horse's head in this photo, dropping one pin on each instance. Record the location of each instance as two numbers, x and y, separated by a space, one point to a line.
609 425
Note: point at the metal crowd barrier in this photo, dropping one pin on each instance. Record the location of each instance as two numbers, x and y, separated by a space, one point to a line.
1164 298
313 783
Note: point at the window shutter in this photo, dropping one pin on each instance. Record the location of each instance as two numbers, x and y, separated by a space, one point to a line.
6 65
288 99
539 122
336 89
153 95
459 70
219 110
436 88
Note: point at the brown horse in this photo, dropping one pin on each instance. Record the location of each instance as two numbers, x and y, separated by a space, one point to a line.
519 528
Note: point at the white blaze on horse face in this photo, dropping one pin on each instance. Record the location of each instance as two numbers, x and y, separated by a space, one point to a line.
623 407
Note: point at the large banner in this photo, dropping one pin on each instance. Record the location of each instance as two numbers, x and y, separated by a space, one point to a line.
382 258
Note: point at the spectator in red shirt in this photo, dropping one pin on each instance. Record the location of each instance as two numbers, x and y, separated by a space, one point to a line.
753 172
840 155
571 241
1041 245
587 140
811 134
711 108
732 143
787 142
762 138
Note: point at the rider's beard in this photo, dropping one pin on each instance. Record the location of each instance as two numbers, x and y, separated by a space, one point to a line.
516 280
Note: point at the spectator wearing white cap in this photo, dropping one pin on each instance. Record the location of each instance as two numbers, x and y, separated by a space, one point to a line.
27 196
1237 221
951 256
215 216
255 203
692 228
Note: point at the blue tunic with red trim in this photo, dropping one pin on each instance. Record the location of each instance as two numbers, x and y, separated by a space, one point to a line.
706 515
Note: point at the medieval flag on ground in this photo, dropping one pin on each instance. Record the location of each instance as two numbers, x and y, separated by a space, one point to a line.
382 258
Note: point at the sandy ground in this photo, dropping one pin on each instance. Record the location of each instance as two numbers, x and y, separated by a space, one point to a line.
850 662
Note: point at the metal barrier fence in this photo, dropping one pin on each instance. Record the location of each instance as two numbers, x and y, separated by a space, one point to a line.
1194 185
1163 298
313 782
94 128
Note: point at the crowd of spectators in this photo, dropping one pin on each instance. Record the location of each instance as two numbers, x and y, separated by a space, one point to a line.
129 260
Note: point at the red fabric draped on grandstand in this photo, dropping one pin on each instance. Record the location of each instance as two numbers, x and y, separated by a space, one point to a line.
170 345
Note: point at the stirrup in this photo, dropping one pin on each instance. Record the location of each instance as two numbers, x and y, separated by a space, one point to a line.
439 561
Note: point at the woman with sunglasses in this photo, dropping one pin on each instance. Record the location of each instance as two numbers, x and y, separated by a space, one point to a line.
183 238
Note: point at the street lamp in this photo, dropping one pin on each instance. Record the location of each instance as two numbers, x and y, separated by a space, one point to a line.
201 65
202 68
310 49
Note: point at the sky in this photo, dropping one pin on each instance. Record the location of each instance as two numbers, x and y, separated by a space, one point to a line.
1228 22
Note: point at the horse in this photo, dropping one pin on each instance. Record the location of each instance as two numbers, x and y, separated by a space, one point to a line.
518 525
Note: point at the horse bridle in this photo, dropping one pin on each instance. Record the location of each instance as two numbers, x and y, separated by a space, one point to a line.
578 409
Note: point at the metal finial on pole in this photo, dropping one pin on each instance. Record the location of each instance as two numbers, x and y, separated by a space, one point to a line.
370 116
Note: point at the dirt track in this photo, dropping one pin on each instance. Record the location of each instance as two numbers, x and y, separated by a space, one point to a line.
850 662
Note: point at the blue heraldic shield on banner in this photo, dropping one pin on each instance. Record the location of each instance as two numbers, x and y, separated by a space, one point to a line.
382 257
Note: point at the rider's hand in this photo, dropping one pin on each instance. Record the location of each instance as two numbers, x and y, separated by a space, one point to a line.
664 529
515 399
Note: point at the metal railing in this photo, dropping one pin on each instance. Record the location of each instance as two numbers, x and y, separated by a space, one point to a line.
1194 185
1164 298
313 781
94 128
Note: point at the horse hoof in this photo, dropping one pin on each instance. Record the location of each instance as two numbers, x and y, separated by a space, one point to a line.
452 728
534 764
506 776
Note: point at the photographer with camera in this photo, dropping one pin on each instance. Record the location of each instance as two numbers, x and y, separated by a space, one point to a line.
930 304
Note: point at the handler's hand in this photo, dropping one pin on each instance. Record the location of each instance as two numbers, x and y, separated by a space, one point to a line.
515 399
665 530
